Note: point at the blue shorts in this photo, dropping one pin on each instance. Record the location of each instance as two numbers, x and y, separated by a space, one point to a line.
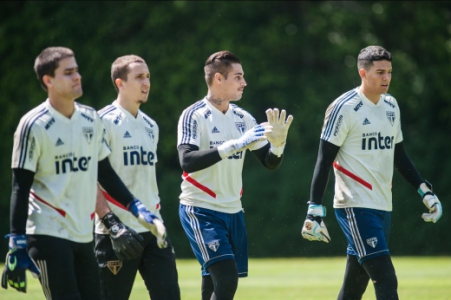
366 230
215 236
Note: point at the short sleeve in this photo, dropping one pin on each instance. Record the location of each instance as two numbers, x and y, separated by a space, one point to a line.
399 137
26 149
104 148
188 129
335 128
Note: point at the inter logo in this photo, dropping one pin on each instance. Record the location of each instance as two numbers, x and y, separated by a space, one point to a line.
366 122
214 246
372 242
127 135
114 266
59 142
88 133
391 117
215 130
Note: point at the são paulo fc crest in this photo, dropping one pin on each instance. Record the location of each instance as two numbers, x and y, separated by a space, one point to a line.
214 246
114 266
150 133
88 132
391 117
372 242
240 126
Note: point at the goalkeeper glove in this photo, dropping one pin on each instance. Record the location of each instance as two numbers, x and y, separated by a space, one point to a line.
17 262
125 241
278 135
150 221
432 203
231 147
314 228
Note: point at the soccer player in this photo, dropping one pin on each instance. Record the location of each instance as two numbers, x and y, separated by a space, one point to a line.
133 137
362 139
59 154
213 135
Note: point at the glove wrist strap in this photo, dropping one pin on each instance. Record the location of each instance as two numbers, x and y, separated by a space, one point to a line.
277 150
424 190
109 220
17 241
226 149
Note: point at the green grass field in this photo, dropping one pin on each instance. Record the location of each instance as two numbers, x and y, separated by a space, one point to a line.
298 278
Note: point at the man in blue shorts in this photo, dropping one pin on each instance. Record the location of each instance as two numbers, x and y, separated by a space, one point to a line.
213 135
362 139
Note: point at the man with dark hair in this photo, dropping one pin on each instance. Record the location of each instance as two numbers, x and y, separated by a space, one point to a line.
132 137
362 139
213 135
59 154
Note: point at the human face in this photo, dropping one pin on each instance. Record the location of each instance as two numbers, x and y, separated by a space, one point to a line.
66 84
137 86
376 80
233 86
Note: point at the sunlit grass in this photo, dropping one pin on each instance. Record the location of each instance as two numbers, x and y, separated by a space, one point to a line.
298 278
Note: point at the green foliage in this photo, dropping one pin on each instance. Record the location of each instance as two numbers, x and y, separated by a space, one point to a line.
296 55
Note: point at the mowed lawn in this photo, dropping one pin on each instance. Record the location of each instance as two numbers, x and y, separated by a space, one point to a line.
297 278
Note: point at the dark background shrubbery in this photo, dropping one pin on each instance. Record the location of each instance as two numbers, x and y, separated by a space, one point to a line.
296 55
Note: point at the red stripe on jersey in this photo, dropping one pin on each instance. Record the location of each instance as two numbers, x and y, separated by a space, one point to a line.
353 176
92 215
60 211
113 201
241 192
198 185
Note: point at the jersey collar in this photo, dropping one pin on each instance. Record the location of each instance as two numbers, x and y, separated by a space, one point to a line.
60 116
127 113
213 108
368 101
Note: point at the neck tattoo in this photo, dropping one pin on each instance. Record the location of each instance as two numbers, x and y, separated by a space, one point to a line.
215 101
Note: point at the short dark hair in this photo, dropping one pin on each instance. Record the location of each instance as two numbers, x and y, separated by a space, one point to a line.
48 61
120 67
219 62
370 54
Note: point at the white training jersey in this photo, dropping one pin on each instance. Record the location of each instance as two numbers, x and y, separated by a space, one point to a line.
366 134
63 153
133 142
218 187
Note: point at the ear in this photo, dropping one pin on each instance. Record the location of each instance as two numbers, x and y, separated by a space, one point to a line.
218 77
47 81
118 83
362 73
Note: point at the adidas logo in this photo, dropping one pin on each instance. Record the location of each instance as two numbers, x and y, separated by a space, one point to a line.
59 142
366 122
127 135
215 130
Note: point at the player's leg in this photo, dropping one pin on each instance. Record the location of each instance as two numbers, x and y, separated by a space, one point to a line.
224 276
383 276
116 276
158 269
355 280
55 258
208 235
367 232
207 287
86 271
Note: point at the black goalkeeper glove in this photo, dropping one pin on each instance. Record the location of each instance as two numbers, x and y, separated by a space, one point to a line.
125 241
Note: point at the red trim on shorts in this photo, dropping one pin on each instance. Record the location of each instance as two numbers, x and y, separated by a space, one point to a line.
92 215
60 211
353 176
198 185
